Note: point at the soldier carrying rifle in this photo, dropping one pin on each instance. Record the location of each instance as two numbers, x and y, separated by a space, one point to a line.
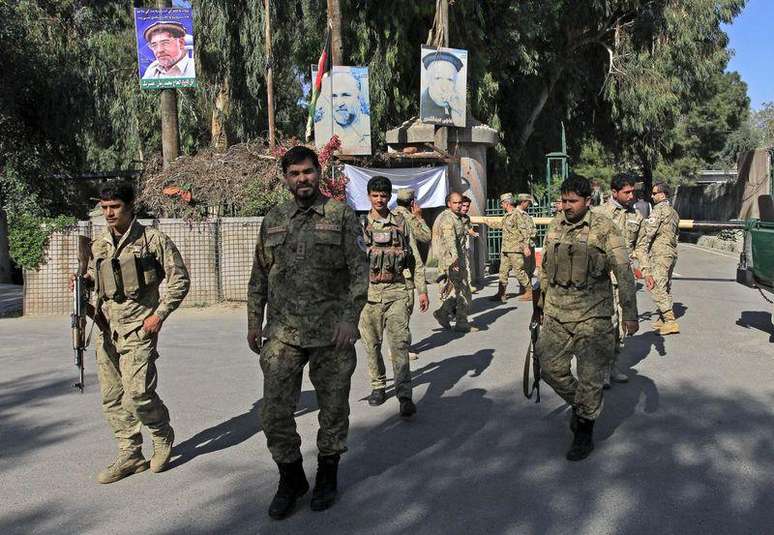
129 261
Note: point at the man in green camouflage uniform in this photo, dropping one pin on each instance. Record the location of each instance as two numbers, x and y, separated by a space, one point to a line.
449 249
470 235
408 208
311 276
410 211
661 230
395 269
516 249
129 261
580 251
620 209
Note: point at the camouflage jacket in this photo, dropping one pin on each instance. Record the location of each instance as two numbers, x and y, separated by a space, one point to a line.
449 240
159 259
308 271
661 230
530 225
518 232
630 223
578 259
386 292
418 226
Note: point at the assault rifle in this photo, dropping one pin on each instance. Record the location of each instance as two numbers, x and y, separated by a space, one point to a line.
531 360
80 305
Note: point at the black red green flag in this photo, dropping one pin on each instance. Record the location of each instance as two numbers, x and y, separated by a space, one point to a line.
323 67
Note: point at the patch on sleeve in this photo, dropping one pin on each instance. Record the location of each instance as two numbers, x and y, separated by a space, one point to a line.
328 226
276 230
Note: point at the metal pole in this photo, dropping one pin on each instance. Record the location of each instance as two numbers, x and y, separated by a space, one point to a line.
170 134
269 72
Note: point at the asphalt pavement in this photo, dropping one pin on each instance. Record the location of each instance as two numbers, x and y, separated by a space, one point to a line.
687 446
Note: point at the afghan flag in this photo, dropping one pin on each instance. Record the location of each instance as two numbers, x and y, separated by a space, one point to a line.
323 67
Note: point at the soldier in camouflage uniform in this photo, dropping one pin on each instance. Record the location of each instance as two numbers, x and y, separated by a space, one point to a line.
576 303
620 209
449 249
395 269
516 250
410 211
470 234
661 230
311 276
129 261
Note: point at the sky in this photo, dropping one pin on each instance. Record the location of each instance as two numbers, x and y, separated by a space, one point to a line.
753 45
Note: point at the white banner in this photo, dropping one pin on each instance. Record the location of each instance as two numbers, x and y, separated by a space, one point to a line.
430 183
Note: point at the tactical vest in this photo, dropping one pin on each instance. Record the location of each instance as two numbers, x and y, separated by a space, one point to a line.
389 251
127 275
572 263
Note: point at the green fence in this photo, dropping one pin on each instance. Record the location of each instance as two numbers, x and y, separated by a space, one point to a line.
494 236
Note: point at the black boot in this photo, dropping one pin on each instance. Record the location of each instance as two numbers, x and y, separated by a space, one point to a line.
574 421
292 485
377 397
582 444
325 485
407 408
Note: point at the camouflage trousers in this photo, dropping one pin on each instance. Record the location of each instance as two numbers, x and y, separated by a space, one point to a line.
591 342
456 303
392 317
661 269
517 262
126 368
330 371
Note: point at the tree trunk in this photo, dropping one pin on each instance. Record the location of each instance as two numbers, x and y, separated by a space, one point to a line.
5 252
439 33
219 114
269 72
529 127
334 18
170 135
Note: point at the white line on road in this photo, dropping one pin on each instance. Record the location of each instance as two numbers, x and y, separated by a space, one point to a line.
705 250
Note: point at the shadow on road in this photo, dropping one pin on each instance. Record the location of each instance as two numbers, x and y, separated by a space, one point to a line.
688 459
232 432
756 319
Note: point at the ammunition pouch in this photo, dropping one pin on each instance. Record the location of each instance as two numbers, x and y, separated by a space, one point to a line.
126 276
573 264
389 254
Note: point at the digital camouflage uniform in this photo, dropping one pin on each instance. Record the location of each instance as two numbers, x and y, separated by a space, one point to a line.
577 302
126 355
388 306
519 231
660 241
449 248
310 274
630 223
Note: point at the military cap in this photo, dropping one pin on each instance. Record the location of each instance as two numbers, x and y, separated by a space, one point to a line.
406 194
440 55
507 197
526 197
174 28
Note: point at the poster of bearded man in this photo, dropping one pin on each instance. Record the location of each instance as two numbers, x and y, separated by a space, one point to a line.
444 82
343 109
165 46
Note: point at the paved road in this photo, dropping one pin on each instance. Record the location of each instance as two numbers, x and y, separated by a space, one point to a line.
686 447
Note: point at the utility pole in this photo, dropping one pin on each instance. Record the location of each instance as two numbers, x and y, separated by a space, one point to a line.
170 134
269 71
334 19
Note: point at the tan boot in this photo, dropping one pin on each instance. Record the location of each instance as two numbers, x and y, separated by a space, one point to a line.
670 325
126 464
162 451
527 295
659 322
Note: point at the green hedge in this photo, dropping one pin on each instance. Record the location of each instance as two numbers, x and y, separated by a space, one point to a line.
28 236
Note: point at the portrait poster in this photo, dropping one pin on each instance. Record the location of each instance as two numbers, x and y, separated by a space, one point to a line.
165 47
443 85
344 109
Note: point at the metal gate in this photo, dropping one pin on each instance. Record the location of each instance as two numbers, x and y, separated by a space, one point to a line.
494 236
